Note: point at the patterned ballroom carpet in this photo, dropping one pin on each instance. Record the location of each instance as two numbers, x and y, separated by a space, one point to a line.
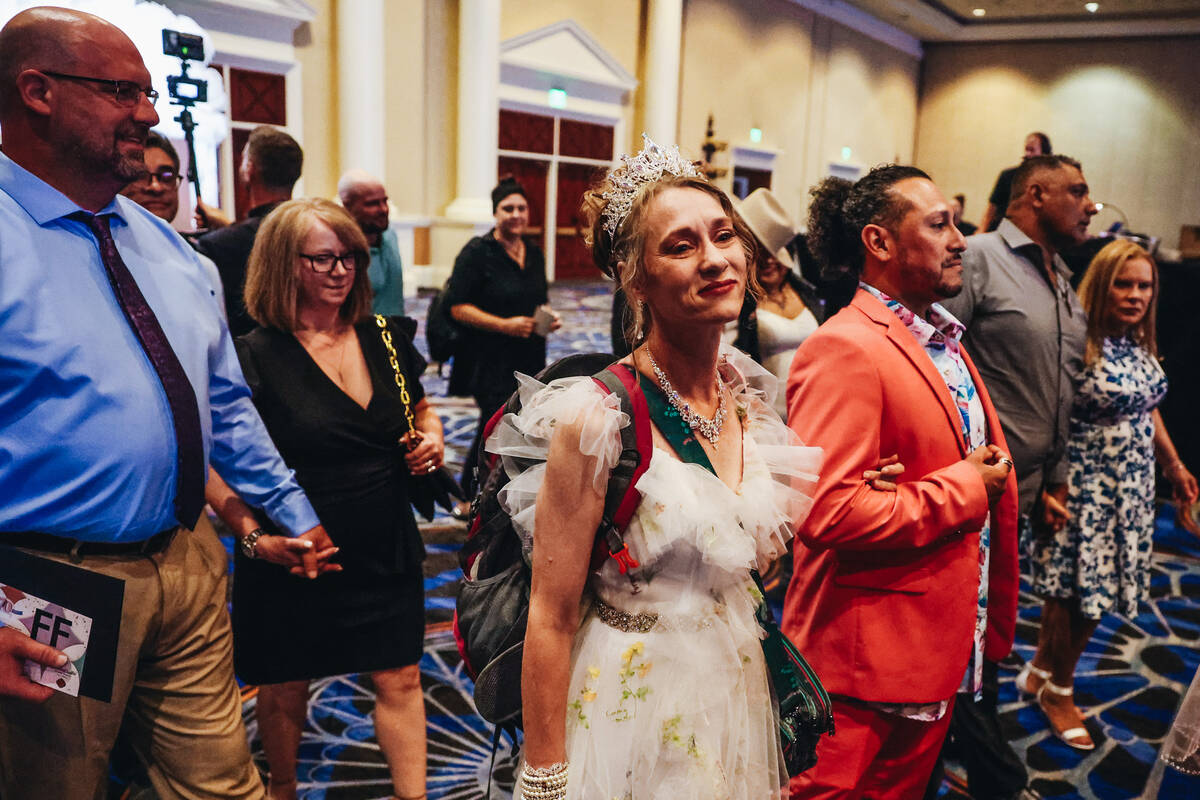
1130 679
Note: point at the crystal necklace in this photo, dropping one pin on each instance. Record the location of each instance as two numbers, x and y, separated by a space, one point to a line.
708 428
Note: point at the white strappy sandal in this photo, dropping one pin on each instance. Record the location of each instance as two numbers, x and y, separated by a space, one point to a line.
1022 680
1071 736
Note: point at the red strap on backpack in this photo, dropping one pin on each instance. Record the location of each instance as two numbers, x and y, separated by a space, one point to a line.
637 445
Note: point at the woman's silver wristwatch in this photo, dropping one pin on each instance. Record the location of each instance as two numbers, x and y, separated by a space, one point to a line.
249 542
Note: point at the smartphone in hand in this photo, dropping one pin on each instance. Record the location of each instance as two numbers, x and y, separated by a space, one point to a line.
543 320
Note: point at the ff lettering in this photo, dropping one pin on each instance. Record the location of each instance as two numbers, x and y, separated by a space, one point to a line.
58 627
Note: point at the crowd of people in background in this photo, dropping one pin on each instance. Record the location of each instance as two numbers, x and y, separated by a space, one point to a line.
906 411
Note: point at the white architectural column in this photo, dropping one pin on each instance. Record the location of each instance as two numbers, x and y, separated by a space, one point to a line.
362 132
664 37
415 275
478 109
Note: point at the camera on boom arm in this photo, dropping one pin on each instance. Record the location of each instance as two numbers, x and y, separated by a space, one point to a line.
185 90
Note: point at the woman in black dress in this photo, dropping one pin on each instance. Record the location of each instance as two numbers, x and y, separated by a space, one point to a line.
323 382
498 282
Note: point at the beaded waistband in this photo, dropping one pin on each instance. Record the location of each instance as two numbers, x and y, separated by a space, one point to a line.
623 620
646 621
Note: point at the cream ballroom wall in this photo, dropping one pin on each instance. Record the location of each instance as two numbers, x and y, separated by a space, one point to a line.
614 23
315 53
812 85
409 80
1129 109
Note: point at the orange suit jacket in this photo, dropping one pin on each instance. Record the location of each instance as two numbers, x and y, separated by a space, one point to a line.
883 597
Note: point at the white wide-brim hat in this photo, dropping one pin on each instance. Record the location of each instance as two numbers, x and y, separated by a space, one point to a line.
770 224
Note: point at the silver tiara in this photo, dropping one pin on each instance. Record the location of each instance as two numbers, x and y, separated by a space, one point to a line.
646 167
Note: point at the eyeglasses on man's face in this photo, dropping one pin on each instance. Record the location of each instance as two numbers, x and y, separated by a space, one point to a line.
324 262
126 93
167 176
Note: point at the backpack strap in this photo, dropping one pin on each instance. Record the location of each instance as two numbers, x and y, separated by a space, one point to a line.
621 498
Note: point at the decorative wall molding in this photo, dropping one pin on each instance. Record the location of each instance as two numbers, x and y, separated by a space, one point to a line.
269 20
928 22
865 23
562 56
751 157
1098 29
844 169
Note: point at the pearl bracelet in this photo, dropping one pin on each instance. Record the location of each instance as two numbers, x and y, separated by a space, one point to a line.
544 783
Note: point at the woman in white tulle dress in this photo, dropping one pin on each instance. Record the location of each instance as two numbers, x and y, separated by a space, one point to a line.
652 684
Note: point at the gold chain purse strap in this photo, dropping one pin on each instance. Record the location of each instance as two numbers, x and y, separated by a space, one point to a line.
401 384
436 486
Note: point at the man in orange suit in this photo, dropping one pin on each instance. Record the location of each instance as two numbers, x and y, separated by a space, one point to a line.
896 596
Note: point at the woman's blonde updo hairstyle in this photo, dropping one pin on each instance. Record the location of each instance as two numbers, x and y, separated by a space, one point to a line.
628 244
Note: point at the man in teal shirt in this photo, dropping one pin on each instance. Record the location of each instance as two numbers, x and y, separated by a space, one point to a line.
367 201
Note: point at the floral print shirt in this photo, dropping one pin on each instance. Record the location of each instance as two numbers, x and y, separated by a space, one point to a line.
940 336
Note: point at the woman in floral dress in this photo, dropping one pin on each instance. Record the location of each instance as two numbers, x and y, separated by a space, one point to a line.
1099 562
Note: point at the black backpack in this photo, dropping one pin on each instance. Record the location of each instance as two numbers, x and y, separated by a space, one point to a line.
442 333
493 601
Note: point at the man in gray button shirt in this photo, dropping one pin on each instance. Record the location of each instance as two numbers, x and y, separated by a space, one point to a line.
1026 330
1025 327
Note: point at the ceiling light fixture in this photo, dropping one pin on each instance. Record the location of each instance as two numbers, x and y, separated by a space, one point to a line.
979 12
1092 8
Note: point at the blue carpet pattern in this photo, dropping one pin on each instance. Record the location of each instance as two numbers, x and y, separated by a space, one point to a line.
1129 683
1130 680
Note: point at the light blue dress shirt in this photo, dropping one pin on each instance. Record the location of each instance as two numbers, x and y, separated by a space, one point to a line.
387 277
87 447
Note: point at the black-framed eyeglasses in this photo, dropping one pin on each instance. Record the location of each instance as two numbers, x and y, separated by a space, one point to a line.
166 176
324 262
126 93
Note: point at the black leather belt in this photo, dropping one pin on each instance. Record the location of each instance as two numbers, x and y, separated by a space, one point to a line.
78 549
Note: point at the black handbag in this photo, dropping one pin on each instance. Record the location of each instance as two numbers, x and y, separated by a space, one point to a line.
437 487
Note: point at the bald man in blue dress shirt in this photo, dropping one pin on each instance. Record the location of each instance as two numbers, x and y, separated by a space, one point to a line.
118 385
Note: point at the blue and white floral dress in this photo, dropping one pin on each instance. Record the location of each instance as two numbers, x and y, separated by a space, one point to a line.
1102 555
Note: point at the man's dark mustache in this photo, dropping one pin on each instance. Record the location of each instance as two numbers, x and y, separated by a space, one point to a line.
134 131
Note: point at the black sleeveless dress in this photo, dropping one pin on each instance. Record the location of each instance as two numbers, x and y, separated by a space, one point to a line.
347 459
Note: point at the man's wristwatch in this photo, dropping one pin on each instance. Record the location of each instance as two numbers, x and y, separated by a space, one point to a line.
249 542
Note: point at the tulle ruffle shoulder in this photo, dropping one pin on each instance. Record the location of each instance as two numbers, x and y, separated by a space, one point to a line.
734 529
523 440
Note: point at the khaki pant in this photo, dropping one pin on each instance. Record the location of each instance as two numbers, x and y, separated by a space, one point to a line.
173 687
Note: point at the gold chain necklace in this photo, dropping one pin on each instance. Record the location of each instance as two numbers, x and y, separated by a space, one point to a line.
341 362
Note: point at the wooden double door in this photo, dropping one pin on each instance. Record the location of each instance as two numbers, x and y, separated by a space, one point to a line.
555 160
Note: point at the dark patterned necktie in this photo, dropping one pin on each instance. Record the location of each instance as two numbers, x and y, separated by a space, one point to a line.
185 414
